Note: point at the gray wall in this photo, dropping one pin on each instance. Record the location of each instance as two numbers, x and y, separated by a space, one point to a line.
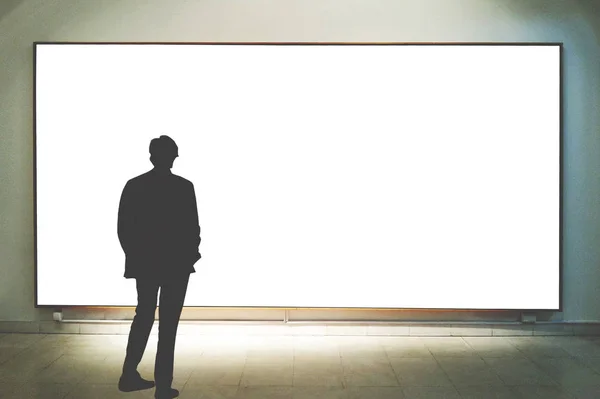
573 22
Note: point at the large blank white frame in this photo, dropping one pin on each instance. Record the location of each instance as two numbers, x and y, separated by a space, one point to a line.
327 175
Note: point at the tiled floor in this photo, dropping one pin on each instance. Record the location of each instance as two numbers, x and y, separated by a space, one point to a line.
299 367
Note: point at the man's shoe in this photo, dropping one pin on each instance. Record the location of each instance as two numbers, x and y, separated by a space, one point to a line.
134 382
169 394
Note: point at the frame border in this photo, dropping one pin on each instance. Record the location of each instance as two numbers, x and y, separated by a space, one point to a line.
517 44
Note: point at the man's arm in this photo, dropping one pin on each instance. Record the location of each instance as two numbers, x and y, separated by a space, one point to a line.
126 218
194 218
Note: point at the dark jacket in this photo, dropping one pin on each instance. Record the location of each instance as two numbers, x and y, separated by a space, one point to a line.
158 226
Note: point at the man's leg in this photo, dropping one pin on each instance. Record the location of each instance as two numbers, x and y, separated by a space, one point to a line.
172 297
145 310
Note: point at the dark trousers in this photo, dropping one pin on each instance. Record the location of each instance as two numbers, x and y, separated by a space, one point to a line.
172 296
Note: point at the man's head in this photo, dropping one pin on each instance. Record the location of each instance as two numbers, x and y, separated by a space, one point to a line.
163 152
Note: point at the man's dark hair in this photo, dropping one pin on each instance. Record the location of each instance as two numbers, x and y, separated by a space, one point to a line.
164 146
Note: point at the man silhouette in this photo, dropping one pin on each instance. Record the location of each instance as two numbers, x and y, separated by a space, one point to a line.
159 233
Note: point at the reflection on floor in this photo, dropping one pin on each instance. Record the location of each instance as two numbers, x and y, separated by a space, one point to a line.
342 367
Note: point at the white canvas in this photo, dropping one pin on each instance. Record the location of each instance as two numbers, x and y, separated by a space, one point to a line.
326 176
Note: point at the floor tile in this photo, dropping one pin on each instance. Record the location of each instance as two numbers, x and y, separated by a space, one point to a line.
270 375
222 371
366 363
591 362
415 372
309 363
492 347
381 376
275 392
538 346
320 392
105 391
543 392
404 347
208 392
318 373
568 371
374 393
6 353
41 390
17 340
23 367
68 369
318 378
588 392
469 371
448 347
486 392
582 349
519 372
430 393
284 359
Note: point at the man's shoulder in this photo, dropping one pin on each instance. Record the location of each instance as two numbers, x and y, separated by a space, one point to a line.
182 180
138 179
148 178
